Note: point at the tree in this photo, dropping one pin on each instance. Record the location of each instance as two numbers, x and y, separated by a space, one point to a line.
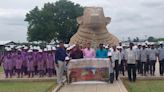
136 39
152 39
55 21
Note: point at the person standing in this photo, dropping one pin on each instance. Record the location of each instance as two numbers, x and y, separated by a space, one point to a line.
144 56
123 60
88 51
153 58
76 53
131 63
30 64
138 58
60 62
161 59
40 63
116 59
111 68
101 52
7 65
19 63
50 63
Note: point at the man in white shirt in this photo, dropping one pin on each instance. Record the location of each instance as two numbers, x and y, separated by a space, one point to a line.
123 60
138 58
131 62
144 56
152 58
161 59
116 59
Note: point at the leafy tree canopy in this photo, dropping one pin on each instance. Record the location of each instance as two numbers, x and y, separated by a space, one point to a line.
55 21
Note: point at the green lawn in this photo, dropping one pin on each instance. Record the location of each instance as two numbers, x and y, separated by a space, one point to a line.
1 69
145 86
26 86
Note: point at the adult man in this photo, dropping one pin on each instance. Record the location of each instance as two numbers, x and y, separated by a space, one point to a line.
89 52
123 59
131 62
76 53
116 59
138 58
144 56
161 59
60 61
101 52
152 57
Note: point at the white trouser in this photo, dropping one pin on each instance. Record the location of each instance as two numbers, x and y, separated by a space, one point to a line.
60 71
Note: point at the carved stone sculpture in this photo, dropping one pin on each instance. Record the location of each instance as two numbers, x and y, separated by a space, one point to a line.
92 28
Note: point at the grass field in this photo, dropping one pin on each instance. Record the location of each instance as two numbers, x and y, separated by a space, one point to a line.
26 86
145 86
1 69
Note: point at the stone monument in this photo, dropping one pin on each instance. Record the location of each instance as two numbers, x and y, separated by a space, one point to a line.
92 28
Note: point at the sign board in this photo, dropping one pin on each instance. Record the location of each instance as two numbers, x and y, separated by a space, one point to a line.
88 70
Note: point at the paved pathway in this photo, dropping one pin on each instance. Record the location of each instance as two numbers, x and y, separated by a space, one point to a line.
115 87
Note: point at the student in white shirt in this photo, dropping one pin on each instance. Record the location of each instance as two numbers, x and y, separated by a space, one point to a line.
144 56
161 59
138 58
152 58
116 59
131 63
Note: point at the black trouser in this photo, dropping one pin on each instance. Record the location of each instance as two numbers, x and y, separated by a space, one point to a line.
148 66
122 67
152 67
161 67
138 66
116 69
143 68
8 73
111 78
132 72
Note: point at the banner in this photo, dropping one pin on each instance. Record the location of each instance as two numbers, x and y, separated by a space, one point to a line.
88 70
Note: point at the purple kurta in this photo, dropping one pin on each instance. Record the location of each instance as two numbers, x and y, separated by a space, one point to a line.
50 61
30 63
40 62
24 58
7 64
19 63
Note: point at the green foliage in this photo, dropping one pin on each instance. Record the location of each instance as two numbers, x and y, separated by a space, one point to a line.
160 39
26 86
152 39
55 21
144 86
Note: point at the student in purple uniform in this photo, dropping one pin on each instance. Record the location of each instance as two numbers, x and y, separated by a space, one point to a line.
35 52
53 52
50 63
19 63
7 65
30 64
24 58
40 63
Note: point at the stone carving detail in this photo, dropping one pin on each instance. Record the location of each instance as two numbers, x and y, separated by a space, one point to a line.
92 28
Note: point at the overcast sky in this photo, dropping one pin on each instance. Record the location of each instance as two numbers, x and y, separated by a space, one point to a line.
130 18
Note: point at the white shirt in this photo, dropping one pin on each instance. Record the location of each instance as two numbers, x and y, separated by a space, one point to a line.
115 55
161 53
138 54
152 54
144 54
131 59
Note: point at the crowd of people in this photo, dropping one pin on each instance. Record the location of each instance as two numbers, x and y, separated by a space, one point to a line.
139 59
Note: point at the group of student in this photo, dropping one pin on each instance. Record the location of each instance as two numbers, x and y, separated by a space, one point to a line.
30 62
26 61
135 59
